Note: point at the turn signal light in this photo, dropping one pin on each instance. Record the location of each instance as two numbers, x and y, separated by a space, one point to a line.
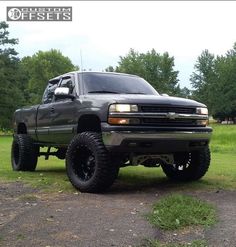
123 121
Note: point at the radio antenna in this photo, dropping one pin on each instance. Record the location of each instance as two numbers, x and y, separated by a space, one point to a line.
81 64
81 60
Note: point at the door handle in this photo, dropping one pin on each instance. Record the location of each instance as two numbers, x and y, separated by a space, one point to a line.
52 110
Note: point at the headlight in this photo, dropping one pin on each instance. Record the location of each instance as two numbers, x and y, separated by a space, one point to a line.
123 108
202 111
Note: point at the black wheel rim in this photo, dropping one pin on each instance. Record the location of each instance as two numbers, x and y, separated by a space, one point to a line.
16 153
84 163
182 162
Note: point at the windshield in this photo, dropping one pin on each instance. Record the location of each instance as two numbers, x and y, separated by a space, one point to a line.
116 83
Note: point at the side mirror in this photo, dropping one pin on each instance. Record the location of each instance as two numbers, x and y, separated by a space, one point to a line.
165 95
63 93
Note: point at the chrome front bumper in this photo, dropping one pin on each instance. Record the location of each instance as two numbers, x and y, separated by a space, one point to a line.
114 138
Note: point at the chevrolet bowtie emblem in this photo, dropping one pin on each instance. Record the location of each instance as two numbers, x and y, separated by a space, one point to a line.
171 115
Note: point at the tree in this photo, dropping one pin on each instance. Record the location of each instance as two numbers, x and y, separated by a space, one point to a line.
157 69
184 93
224 90
131 64
214 83
110 69
41 67
11 96
203 78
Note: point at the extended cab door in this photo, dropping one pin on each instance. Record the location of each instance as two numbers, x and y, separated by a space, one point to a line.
43 118
63 114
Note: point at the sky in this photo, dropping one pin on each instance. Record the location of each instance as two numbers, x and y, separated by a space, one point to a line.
101 31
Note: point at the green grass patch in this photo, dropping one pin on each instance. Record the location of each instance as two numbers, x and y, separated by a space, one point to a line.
28 198
155 243
20 236
177 211
223 139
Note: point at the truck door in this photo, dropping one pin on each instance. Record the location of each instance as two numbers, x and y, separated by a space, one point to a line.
63 114
43 118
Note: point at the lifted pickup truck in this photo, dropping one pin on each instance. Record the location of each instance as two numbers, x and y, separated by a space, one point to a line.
99 122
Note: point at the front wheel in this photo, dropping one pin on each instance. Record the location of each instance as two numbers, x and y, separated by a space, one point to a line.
88 163
188 166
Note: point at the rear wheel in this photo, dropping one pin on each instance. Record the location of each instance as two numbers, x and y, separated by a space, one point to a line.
88 163
188 166
24 154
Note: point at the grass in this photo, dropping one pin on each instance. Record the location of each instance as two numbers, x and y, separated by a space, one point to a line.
28 198
51 176
155 243
224 139
177 211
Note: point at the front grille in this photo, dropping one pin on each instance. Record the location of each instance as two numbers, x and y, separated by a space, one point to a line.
169 122
160 109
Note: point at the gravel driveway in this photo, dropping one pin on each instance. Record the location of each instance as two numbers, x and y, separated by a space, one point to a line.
31 218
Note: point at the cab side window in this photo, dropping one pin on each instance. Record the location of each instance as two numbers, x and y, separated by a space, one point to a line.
48 95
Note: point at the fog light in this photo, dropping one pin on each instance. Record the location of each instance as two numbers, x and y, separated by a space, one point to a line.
202 122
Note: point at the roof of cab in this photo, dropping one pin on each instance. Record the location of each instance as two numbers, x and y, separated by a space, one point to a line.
57 78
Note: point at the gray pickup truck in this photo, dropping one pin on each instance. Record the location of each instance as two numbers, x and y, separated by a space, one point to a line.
99 122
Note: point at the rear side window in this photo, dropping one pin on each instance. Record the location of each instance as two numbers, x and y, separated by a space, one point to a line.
49 93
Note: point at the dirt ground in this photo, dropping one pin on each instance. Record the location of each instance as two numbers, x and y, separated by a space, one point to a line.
117 218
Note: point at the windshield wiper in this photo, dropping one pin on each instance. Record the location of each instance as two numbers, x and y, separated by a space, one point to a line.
134 93
102 91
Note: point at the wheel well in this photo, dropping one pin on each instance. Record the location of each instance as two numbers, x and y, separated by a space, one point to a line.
21 128
89 123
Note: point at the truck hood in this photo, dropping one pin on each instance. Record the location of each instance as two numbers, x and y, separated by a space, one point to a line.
145 99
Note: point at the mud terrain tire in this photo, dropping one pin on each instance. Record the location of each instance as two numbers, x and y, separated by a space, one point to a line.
24 154
88 163
188 166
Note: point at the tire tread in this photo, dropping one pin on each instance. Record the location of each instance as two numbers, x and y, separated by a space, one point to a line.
28 153
105 173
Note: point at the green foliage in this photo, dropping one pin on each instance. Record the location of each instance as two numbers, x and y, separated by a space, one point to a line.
11 95
203 78
214 83
23 82
157 69
110 69
41 67
176 211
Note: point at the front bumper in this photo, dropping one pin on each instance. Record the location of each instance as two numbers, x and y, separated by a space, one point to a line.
116 138
156 142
